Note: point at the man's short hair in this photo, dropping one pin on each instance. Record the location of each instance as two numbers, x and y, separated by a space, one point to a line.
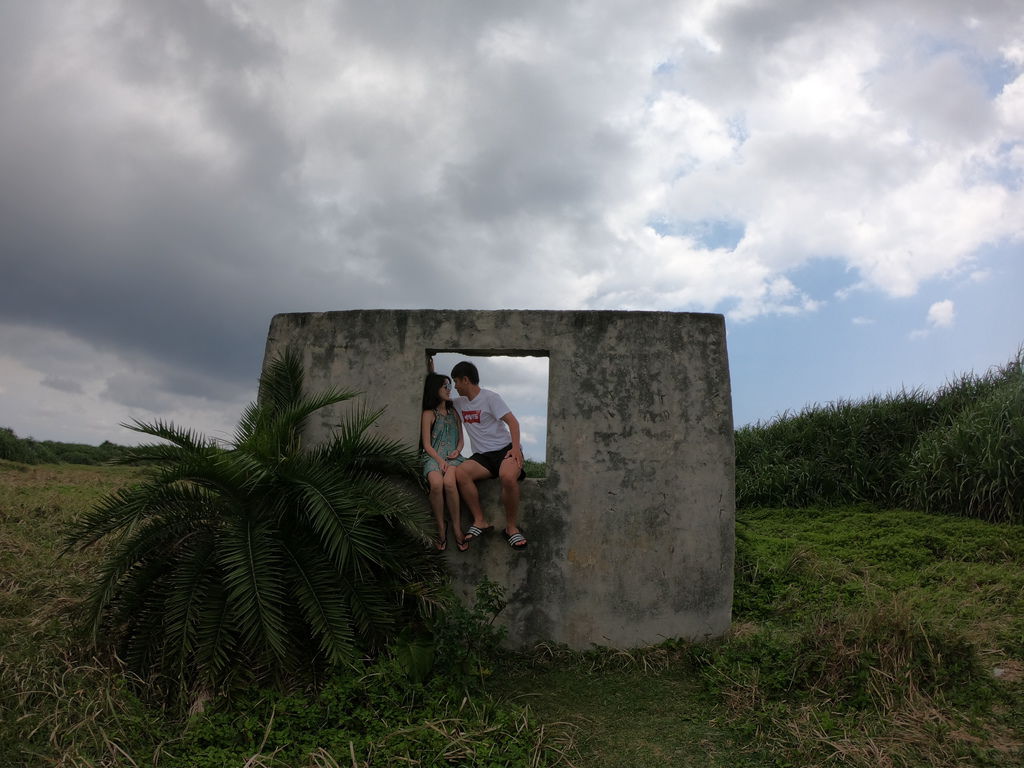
466 369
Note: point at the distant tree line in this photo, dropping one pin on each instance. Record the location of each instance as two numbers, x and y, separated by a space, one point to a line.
26 450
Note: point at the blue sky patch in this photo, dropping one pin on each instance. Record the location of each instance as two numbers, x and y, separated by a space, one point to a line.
709 233
821 278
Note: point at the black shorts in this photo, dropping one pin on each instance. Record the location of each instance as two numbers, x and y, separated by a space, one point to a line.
491 460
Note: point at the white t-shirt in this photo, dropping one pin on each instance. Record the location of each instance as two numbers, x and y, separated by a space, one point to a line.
481 418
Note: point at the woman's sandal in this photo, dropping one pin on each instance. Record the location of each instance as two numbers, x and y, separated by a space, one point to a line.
462 545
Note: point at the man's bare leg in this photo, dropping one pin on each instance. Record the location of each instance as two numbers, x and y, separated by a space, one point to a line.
508 474
467 474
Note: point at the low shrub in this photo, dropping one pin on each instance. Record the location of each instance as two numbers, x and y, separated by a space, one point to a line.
840 453
66 708
466 638
866 637
65 711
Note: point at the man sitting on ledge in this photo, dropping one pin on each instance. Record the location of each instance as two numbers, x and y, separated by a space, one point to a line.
494 432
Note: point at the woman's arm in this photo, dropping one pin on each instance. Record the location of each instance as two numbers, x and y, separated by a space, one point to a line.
460 444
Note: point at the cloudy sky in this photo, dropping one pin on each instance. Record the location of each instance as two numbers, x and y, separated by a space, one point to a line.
842 180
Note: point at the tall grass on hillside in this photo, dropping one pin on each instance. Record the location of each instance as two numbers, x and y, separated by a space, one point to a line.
959 450
973 464
836 453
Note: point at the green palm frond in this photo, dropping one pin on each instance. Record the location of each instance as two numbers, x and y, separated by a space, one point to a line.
282 381
253 575
118 512
135 618
186 439
149 542
122 512
217 653
188 589
355 446
372 610
320 597
356 423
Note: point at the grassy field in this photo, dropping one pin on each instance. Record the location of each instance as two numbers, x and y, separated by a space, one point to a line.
862 637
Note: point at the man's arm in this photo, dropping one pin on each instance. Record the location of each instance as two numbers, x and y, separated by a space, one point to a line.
513 429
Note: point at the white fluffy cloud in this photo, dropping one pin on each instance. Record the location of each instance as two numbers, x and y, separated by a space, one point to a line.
941 314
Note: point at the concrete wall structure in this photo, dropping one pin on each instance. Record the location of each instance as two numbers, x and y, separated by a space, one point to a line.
632 531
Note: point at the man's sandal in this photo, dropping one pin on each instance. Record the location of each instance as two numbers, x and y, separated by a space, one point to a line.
515 540
476 533
463 545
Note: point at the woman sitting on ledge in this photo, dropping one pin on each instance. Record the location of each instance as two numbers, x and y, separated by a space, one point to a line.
441 438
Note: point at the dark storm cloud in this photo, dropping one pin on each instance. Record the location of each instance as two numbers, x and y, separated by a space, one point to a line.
62 385
159 40
187 273
135 391
120 235
158 386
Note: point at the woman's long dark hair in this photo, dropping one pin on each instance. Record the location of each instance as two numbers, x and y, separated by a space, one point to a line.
430 389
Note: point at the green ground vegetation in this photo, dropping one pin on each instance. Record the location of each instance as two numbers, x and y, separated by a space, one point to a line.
535 468
863 636
63 702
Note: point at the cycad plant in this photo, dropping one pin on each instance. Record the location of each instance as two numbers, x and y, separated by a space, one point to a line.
260 560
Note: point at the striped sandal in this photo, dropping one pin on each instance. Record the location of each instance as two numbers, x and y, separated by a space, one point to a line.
515 540
476 533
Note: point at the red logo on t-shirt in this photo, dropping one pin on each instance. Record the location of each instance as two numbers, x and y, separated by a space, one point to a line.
471 417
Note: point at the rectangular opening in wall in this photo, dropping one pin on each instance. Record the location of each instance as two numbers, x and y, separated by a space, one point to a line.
522 381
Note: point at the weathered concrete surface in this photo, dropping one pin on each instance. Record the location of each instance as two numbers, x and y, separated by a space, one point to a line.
631 532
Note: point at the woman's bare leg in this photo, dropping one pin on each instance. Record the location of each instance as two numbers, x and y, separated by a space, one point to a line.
451 494
436 492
